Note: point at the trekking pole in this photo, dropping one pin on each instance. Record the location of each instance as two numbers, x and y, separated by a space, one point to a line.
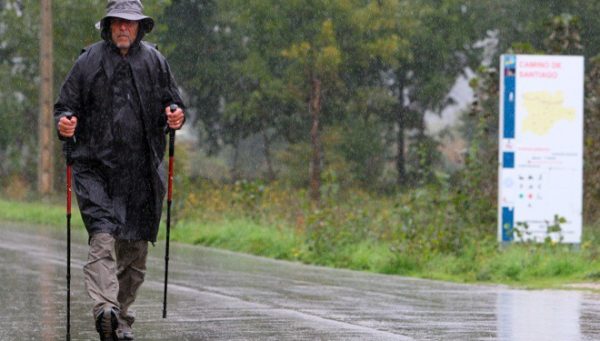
68 148
173 107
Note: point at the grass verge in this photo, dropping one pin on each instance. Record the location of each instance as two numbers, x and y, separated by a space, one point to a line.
522 265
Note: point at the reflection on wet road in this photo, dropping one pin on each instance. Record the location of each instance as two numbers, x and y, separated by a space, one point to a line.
218 295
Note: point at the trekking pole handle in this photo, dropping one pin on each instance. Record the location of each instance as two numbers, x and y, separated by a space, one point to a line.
70 141
173 107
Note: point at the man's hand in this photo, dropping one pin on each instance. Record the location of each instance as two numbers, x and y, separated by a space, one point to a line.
66 127
175 118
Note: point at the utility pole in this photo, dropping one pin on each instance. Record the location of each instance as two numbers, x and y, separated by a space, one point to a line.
45 122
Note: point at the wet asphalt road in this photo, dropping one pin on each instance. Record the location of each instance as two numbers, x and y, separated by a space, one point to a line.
218 295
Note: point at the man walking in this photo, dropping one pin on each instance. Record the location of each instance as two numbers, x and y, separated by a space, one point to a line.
119 91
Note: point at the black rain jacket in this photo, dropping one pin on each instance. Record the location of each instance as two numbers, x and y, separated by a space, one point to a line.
87 93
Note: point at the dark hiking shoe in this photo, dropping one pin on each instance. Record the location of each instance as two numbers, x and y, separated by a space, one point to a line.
107 324
125 333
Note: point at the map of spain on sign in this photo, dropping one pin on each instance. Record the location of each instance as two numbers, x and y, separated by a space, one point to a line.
540 182
544 110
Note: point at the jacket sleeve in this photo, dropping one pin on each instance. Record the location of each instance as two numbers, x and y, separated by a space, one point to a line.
69 98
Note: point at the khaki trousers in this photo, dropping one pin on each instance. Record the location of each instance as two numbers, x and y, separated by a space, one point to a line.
114 272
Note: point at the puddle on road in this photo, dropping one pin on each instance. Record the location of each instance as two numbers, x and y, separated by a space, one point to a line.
545 315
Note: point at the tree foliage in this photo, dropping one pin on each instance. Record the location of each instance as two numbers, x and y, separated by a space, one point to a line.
340 86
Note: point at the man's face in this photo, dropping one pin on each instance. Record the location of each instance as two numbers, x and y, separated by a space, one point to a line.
123 33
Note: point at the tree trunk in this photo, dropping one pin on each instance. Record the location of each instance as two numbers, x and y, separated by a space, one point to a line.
315 163
423 153
400 159
235 169
400 138
45 122
267 144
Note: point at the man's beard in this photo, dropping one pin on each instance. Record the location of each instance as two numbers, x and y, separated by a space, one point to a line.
124 45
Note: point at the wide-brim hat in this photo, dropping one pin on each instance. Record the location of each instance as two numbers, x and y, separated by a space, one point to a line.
128 10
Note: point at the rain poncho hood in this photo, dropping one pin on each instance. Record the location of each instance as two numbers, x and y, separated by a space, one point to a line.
125 9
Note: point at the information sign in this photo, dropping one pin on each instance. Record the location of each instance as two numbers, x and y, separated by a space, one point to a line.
540 187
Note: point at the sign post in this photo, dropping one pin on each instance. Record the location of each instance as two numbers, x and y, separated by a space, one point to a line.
540 185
